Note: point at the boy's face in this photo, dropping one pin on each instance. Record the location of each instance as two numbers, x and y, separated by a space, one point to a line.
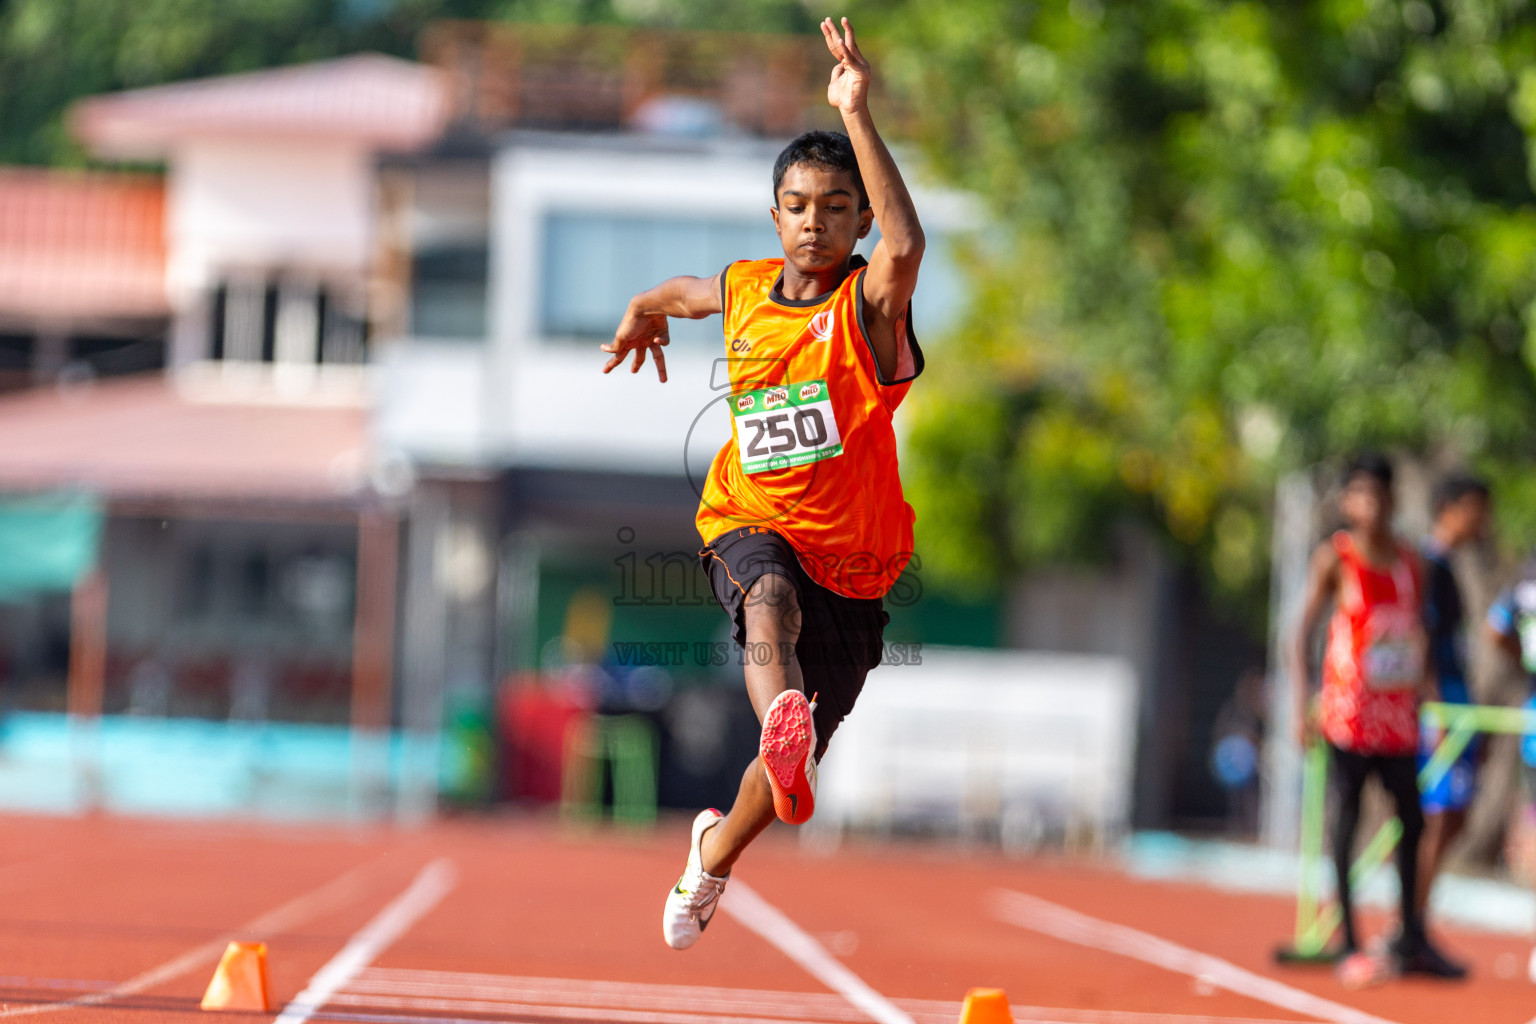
1366 503
1467 518
818 217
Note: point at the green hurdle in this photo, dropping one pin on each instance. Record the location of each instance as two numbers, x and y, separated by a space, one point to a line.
1313 819
626 743
1316 924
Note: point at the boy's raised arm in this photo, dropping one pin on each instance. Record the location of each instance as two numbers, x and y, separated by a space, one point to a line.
892 274
644 327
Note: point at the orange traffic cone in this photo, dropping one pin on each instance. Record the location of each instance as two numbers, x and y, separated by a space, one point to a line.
240 980
985 1006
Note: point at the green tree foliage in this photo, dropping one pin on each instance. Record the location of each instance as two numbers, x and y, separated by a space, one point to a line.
53 52
1226 239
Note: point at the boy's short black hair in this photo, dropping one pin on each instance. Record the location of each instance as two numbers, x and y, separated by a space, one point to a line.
829 150
1369 464
1453 488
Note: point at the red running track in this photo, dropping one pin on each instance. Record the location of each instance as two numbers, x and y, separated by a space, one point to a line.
517 920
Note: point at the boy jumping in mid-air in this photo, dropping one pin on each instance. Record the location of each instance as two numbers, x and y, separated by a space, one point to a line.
1374 678
804 525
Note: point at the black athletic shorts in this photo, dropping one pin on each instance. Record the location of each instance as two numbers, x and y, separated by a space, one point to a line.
840 637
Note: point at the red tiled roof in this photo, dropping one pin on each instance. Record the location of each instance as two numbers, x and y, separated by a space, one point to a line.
136 438
81 246
384 101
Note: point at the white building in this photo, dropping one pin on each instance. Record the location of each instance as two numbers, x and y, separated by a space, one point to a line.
574 225
277 253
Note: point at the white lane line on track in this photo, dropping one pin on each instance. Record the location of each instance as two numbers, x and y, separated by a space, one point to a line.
397 989
384 983
609 1015
1052 919
401 1018
744 904
948 1018
541 1017
431 884
77 984
1021 1015
335 893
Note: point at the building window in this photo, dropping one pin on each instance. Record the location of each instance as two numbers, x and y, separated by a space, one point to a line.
114 356
595 262
256 319
448 291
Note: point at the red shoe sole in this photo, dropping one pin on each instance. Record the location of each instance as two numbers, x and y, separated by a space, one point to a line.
785 744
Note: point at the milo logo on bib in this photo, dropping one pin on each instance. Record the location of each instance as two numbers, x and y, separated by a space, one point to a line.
795 426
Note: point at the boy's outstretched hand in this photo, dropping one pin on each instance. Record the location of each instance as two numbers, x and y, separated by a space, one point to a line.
639 333
849 88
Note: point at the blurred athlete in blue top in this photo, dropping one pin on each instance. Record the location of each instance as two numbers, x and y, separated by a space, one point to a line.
1512 627
1460 518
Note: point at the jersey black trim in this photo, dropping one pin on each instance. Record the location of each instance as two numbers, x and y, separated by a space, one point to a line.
917 352
723 306
776 295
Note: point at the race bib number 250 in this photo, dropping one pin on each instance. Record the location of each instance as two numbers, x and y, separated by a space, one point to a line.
785 425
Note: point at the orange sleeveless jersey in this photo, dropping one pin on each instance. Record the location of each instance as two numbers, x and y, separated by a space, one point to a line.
812 455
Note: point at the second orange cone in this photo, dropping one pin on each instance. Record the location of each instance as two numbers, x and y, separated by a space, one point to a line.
240 980
986 1006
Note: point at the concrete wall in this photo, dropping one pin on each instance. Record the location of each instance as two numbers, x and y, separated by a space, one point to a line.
1129 610
237 203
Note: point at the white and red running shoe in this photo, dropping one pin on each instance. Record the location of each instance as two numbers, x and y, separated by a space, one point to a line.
692 901
788 752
